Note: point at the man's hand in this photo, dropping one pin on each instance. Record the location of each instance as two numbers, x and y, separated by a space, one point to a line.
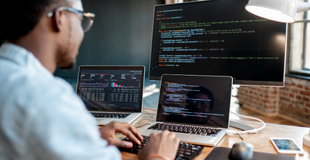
164 144
108 132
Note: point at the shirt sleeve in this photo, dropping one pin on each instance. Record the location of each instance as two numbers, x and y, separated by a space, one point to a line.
62 129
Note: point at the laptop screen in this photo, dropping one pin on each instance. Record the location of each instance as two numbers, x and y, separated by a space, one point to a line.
199 100
111 88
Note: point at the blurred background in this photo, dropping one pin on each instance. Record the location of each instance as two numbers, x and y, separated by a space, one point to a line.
121 35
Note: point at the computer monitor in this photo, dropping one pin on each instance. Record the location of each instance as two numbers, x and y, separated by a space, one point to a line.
218 37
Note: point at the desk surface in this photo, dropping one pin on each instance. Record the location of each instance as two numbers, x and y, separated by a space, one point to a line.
260 141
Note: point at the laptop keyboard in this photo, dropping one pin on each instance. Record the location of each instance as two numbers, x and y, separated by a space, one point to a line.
111 115
204 131
185 150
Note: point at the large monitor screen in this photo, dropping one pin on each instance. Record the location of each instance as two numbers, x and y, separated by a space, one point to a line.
218 37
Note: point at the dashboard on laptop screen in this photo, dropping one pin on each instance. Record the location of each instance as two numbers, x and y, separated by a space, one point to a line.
111 89
195 100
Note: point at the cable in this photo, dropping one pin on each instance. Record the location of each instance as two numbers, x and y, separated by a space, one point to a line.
239 136
231 132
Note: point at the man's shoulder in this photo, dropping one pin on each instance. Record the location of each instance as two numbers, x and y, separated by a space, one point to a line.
31 89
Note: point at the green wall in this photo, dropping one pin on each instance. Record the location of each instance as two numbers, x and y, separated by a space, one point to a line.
121 34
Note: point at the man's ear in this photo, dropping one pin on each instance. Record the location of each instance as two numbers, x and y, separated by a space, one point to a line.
58 20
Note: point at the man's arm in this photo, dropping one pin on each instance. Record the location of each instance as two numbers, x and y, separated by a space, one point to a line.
60 127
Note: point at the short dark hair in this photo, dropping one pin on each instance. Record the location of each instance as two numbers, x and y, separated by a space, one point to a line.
19 17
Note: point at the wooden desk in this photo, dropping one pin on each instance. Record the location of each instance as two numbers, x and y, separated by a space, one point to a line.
260 141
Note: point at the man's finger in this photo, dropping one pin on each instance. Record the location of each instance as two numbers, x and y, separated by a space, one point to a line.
176 140
120 144
171 135
125 130
135 132
165 132
132 137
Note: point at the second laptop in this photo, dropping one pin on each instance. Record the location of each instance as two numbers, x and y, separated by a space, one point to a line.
112 93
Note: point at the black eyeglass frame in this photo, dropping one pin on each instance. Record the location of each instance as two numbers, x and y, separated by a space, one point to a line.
86 16
201 103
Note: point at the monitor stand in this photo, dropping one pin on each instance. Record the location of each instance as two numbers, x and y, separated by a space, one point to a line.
241 126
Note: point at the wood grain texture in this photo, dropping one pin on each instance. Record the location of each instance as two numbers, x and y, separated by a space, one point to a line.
260 141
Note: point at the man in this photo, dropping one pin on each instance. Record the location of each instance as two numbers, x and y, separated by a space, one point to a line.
41 117
200 101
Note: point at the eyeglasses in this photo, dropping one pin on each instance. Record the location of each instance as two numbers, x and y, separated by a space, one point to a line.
201 103
87 17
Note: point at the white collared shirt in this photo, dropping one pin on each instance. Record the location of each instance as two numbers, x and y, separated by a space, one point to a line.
41 117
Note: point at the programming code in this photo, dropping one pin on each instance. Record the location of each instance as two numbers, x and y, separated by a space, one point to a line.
217 37
194 99
184 100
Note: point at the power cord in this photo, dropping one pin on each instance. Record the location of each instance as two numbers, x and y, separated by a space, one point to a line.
231 132
239 136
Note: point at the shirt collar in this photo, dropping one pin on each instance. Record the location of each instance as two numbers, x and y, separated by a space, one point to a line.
21 57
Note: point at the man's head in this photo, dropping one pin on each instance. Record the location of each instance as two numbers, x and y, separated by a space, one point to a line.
201 98
53 22
200 101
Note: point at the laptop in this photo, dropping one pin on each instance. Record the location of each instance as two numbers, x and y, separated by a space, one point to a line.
112 93
195 107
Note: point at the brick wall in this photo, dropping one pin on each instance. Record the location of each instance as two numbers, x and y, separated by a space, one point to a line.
263 99
291 101
295 99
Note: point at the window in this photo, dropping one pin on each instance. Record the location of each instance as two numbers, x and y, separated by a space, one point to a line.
299 44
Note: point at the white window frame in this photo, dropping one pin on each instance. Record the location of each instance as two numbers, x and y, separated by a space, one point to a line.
299 44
